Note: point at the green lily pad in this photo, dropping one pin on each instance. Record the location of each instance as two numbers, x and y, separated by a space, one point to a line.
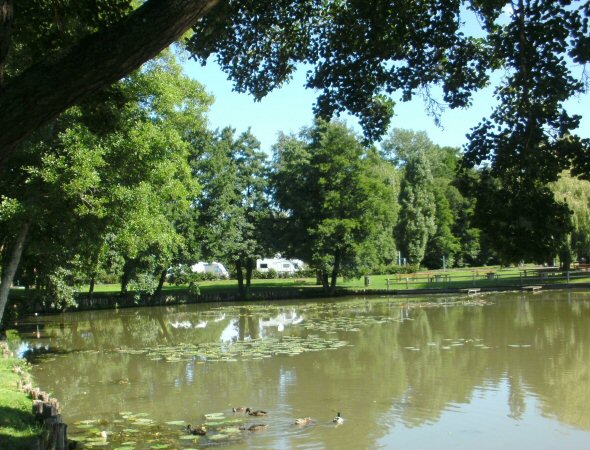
218 437
176 422
188 437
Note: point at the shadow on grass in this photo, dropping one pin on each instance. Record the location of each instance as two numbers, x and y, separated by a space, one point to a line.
18 429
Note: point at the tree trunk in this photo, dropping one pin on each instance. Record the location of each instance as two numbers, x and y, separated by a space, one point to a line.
335 271
8 274
249 269
94 272
128 269
92 283
6 19
49 87
240 275
161 281
323 275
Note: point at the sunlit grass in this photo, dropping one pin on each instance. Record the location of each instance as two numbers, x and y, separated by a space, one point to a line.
489 276
18 429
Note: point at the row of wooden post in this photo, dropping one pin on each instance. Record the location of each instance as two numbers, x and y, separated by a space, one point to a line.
48 412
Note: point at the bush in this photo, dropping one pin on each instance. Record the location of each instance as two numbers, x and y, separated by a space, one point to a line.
59 290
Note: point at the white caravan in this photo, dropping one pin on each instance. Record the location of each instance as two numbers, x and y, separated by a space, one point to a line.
279 265
214 268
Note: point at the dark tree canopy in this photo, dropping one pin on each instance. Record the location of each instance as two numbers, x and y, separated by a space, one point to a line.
62 73
361 55
360 51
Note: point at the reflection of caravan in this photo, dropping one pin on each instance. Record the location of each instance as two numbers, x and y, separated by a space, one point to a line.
279 265
214 268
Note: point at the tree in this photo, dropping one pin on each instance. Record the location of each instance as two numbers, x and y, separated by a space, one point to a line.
416 224
337 206
405 147
110 50
529 138
576 193
362 53
233 205
110 175
521 223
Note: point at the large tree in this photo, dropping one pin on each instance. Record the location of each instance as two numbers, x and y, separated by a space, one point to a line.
233 205
112 174
338 207
417 208
72 62
361 54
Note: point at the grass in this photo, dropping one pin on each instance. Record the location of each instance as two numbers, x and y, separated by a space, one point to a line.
451 278
18 428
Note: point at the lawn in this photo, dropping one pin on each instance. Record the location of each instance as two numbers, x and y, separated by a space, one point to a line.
489 276
18 428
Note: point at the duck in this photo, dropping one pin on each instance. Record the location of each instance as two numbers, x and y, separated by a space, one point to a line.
304 421
256 427
338 419
240 409
256 413
201 431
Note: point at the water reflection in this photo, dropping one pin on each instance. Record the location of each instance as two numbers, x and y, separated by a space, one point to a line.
408 369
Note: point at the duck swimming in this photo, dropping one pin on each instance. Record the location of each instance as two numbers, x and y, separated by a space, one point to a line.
240 409
258 427
256 413
201 431
304 421
338 419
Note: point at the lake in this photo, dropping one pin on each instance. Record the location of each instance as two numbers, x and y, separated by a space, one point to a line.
507 370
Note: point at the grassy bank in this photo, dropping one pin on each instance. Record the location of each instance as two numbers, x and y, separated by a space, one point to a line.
18 428
479 277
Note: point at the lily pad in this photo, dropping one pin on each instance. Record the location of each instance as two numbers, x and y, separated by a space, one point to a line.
189 437
218 437
176 422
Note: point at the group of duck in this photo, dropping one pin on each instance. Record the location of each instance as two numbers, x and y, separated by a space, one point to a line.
202 430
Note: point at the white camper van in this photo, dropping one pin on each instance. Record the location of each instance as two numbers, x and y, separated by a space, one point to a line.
215 268
278 264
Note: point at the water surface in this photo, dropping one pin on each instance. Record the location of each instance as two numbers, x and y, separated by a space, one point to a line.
509 370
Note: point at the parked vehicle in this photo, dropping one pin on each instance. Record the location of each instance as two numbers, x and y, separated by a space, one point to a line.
278 264
215 268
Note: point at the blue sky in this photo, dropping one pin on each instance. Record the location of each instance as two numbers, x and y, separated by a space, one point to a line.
290 108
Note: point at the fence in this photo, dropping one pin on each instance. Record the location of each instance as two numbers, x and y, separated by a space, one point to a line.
439 280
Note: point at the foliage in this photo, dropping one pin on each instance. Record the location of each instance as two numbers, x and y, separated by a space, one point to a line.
336 208
359 52
576 194
110 182
233 207
417 213
453 239
529 138
522 224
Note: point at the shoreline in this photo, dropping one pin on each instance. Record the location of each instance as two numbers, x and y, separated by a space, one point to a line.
24 306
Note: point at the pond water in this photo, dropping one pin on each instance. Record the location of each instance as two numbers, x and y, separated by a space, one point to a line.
505 370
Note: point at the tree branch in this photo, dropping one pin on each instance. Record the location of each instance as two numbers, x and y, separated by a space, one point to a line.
51 86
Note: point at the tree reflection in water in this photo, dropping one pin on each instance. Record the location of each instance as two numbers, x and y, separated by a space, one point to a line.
407 364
